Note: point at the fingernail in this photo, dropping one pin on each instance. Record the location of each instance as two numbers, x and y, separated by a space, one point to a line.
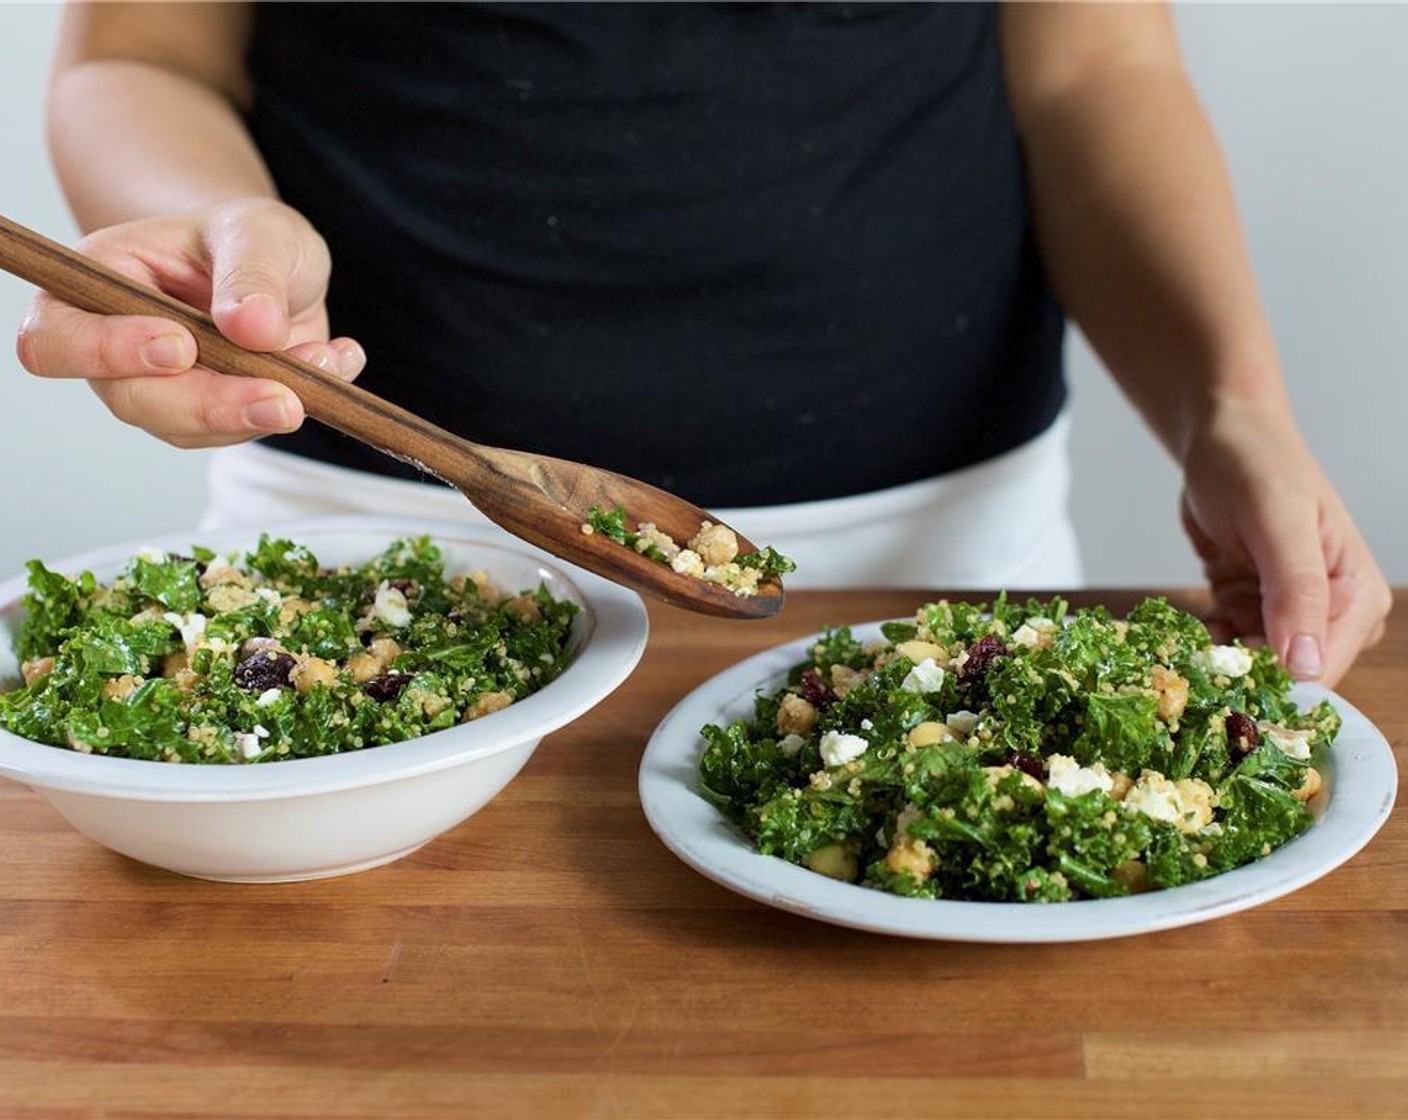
323 358
168 351
269 415
1303 657
353 359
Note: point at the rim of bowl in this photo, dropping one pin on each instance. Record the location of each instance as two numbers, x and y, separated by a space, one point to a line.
613 628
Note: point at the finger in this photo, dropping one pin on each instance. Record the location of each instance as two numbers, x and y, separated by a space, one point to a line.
1362 602
1203 545
342 356
1236 592
1237 610
266 267
200 408
1220 630
1286 548
58 340
353 358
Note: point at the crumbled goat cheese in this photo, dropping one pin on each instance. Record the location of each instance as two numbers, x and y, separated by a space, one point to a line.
962 722
1292 742
838 749
688 563
1035 632
1071 778
1226 661
192 626
1187 804
391 606
927 676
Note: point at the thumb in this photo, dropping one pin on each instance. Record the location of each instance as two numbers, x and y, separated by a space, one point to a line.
1295 591
263 271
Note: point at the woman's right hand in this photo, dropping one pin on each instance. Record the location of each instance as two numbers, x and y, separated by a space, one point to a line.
256 265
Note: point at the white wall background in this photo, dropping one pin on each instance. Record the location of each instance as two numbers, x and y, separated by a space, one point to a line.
1309 102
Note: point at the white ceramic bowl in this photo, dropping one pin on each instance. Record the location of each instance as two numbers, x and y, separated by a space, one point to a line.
316 817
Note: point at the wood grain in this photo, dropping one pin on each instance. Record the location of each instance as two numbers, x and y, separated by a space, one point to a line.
550 958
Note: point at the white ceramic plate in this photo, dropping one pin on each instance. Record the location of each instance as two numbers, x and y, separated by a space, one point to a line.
1360 783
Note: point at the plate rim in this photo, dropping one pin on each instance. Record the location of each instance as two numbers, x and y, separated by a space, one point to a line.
1363 791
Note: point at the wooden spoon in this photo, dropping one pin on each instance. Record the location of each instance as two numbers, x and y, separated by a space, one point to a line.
543 500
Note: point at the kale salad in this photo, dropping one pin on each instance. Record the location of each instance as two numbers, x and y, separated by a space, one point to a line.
711 555
1023 752
271 655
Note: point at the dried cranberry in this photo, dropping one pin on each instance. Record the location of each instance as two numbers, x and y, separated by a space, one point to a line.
1028 764
982 655
816 691
407 587
264 669
1242 735
387 686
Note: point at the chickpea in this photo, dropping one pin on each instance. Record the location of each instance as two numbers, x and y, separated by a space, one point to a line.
928 733
908 856
310 671
487 704
486 588
917 651
218 574
835 861
374 660
844 679
385 650
1310 786
795 715
1133 875
292 609
1172 689
363 667
431 704
525 608
35 668
716 544
122 687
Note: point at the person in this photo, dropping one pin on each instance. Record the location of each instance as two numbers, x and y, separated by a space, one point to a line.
806 265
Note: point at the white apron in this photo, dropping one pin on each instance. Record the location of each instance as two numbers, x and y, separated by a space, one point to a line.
1003 523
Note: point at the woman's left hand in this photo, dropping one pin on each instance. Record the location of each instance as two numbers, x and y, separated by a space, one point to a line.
1285 561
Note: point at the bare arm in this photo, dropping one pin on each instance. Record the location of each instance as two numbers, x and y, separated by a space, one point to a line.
148 137
1140 235
145 110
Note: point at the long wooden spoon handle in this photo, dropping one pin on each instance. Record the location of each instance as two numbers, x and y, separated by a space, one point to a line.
85 283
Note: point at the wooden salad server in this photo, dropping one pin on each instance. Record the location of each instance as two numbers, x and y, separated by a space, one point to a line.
543 500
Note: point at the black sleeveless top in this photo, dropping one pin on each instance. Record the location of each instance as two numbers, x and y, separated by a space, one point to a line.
752 253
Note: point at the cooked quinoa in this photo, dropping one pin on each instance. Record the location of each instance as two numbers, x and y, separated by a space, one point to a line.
271 655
